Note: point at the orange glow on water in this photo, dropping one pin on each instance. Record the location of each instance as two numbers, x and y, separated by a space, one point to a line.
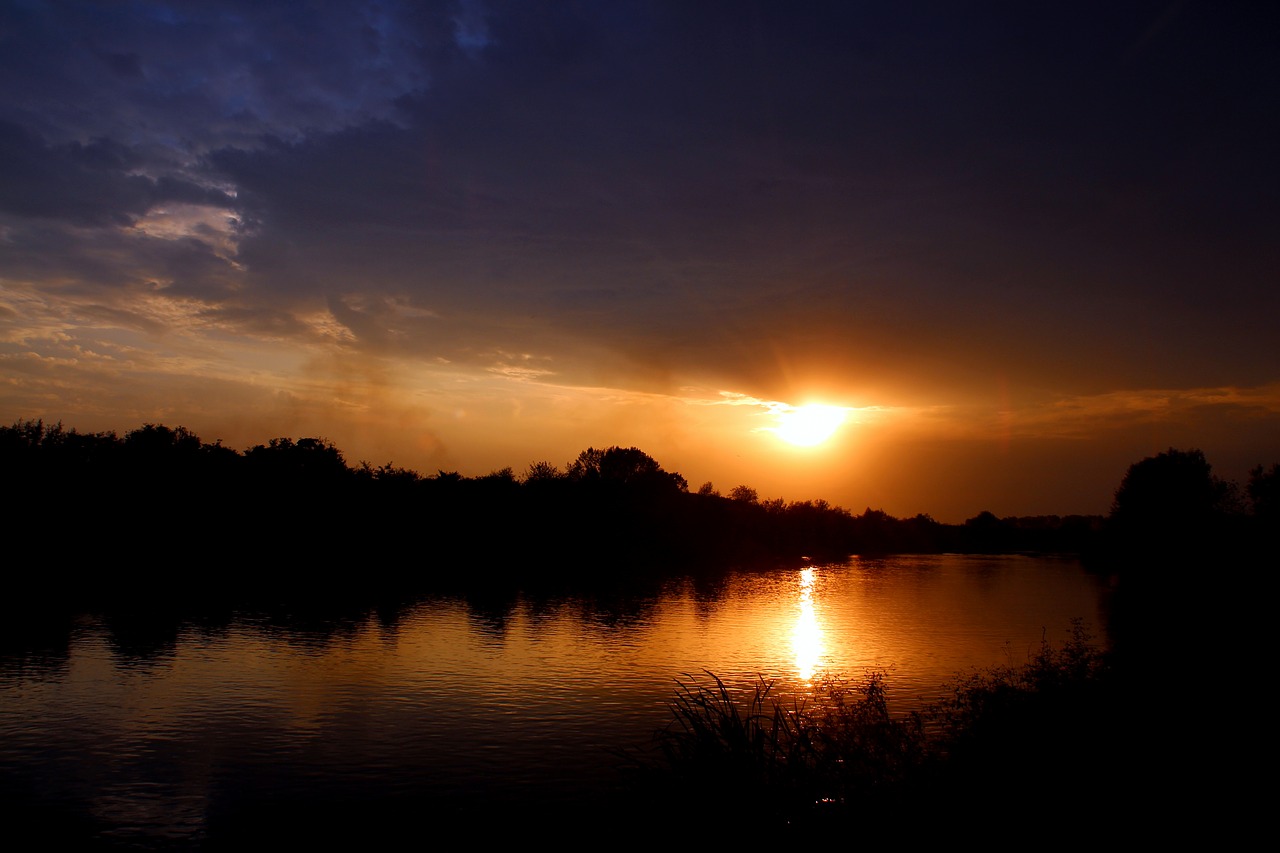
807 636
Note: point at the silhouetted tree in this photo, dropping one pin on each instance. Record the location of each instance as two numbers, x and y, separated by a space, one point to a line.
304 463
1171 513
155 441
26 436
1264 493
984 532
387 474
296 502
542 472
1169 491
158 457
623 466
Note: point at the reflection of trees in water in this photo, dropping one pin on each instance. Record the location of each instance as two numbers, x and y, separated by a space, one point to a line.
35 645
490 611
139 637
707 591
146 635
316 621
618 611
142 638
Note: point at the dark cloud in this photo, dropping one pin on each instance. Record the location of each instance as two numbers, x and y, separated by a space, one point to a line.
194 75
122 64
935 192
258 321
114 263
95 183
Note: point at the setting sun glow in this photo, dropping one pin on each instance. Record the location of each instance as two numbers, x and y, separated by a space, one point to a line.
810 425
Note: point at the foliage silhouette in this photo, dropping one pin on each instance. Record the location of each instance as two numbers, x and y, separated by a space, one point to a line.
1171 515
542 472
267 517
1168 491
1038 738
1264 495
627 467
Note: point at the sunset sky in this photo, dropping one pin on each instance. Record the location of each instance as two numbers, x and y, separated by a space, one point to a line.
1018 246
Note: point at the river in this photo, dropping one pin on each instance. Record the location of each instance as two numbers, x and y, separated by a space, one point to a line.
152 734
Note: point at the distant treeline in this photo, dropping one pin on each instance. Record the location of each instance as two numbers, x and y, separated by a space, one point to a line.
290 511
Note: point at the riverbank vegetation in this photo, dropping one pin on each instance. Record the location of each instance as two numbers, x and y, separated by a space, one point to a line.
157 494
1038 744
158 515
157 491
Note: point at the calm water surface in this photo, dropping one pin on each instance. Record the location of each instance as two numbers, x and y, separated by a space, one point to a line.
449 700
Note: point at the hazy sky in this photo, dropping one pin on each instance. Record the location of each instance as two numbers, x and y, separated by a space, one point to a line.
1021 244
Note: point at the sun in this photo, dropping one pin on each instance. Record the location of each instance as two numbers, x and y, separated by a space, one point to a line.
807 426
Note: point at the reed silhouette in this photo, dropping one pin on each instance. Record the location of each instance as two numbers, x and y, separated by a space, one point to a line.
1040 739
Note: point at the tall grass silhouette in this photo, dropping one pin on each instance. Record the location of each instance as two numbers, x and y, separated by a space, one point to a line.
1026 735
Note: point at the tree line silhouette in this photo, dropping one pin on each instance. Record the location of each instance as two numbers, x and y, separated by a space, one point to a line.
159 504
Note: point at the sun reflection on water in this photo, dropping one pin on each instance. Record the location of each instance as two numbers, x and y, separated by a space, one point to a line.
807 637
